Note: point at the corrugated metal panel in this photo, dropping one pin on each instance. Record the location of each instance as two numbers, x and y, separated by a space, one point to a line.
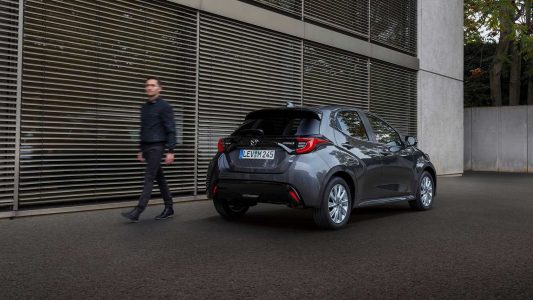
242 68
293 7
393 95
393 24
85 63
333 76
346 15
9 11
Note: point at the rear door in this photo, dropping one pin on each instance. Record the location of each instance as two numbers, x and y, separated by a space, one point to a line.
398 165
352 136
263 144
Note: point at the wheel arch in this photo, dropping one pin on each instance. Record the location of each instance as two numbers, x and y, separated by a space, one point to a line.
433 174
347 176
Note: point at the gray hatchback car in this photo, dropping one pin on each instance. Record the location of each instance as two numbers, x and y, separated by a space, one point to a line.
330 159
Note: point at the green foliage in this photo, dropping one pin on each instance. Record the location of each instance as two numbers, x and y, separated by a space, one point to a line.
488 23
485 20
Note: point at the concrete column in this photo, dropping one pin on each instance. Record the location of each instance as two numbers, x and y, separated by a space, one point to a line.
440 83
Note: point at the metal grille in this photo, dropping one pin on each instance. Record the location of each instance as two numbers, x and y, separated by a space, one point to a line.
346 15
393 24
333 76
393 95
9 13
293 7
85 63
242 68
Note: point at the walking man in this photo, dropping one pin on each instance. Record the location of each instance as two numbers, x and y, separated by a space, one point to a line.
157 137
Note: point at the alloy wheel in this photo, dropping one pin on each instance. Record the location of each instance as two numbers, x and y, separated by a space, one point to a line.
426 191
338 203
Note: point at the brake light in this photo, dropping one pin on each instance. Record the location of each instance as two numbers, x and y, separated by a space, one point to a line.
220 145
306 145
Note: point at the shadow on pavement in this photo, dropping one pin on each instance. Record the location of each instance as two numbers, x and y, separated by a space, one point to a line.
285 218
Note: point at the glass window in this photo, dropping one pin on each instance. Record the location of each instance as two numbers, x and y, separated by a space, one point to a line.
282 126
385 134
350 123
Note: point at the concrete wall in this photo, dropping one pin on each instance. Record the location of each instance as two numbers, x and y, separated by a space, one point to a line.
499 139
440 83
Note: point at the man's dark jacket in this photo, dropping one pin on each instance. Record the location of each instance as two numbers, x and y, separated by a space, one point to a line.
157 124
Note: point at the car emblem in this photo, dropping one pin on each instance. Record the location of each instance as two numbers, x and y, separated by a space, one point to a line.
254 142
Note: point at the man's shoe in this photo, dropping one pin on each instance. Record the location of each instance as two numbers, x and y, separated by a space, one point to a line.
168 212
133 215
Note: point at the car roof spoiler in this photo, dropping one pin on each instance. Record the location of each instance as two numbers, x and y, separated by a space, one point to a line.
296 112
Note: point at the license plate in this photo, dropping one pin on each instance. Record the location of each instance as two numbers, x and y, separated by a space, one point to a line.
256 154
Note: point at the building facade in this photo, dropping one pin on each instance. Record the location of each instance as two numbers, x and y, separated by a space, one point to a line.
73 73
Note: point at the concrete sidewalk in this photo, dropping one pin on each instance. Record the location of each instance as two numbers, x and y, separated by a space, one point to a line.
477 242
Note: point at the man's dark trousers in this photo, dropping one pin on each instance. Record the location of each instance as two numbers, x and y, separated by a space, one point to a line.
152 154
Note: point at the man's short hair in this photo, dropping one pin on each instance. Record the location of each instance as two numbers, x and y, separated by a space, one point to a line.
154 78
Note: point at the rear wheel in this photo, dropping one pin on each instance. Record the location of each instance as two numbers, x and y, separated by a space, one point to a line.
424 194
229 210
335 207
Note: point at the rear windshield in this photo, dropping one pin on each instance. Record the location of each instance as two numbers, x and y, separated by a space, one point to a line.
280 126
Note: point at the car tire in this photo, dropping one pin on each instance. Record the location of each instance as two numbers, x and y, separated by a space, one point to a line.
335 207
425 194
228 211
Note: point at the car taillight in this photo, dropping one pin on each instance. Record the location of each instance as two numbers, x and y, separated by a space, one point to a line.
221 145
306 145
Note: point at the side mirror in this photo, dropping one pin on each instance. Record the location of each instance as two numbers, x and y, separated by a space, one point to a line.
411 140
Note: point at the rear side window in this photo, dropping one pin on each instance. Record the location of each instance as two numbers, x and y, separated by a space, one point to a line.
282 126
350 123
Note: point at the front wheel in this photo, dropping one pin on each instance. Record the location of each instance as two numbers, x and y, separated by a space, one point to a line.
229 210
425 193
335 207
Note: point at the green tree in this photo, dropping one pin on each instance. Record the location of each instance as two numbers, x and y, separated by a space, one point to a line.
507 24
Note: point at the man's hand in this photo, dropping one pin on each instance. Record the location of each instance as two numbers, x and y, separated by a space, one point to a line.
140 157
169 159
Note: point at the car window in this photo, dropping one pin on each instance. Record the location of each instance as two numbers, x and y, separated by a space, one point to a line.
384 133
283 126
350 123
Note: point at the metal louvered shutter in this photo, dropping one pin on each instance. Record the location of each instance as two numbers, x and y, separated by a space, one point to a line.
9 14
293 7
333 76
393 95
346 15
242 68
393 23
85 63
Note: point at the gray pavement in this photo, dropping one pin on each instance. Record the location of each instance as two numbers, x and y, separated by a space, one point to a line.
477 242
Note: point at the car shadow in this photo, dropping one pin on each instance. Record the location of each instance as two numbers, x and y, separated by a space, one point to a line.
376 212
285 218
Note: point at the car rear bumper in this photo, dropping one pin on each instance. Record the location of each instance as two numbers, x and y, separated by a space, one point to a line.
251 192
306 175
